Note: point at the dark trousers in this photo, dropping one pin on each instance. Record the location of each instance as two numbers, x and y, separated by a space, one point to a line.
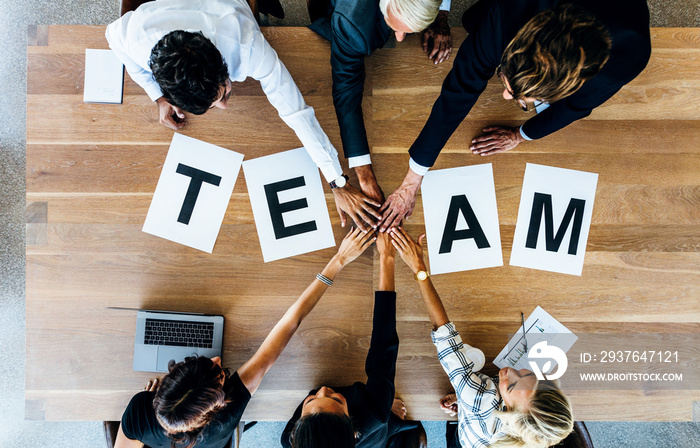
451 435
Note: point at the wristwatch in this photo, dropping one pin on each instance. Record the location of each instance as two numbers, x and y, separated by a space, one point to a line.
339 182
421 275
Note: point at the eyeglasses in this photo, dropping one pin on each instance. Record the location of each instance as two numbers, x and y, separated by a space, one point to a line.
524 105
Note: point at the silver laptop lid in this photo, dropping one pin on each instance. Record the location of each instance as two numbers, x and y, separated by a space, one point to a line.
162 336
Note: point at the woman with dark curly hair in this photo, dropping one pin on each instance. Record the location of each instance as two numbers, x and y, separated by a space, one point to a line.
198 403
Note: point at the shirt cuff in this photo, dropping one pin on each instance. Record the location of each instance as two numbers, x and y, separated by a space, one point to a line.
359 161
523 135
153 91
445 5
444 332
416 168
331 170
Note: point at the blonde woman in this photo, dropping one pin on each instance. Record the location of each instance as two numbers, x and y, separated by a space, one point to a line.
510 410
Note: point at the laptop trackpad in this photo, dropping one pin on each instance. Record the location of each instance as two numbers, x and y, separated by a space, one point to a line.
165 354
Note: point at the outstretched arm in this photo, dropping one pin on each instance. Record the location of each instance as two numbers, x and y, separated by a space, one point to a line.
412 253
253 371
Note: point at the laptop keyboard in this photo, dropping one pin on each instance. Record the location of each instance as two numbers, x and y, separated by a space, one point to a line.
183 334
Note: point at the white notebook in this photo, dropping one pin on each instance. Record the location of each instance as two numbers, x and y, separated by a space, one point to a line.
104 77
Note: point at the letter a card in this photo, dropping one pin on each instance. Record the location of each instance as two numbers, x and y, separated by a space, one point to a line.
193 193
288 203
461 219
556 206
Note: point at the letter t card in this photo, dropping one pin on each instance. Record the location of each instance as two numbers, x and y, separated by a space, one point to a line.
193 193
289 206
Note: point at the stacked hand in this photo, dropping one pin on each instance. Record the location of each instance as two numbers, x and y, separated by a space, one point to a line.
411 252
352 246
362 210
385 246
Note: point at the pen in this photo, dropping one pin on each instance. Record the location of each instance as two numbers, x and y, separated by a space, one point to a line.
522 318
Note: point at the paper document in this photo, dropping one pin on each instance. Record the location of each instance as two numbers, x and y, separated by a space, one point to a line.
540 326
104 77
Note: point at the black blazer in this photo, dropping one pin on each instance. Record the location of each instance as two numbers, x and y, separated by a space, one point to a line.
355 29
370 404
497 24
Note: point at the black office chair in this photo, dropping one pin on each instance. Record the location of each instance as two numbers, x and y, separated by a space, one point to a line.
579 438
111 429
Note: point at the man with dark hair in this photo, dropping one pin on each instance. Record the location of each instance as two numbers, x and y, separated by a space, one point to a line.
555 57
186 53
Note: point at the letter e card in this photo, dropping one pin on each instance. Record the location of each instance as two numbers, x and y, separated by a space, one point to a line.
289 206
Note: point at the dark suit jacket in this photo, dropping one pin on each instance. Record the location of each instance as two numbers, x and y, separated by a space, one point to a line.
480 54
355 29
370 404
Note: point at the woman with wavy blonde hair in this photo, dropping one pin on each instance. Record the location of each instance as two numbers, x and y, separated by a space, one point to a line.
513 409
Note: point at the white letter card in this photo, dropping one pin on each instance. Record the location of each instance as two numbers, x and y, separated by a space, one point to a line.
193 193
556 206
461 219
289 206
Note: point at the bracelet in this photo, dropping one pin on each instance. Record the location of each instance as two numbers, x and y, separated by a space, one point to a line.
324 279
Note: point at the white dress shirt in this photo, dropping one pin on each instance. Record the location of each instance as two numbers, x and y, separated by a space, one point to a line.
232 28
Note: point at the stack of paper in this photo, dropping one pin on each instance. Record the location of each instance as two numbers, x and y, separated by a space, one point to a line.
104 77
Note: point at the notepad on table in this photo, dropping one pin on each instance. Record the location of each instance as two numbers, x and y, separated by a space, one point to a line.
104 77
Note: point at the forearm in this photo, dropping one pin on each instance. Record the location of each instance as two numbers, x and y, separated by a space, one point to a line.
436 310
253 371
386 272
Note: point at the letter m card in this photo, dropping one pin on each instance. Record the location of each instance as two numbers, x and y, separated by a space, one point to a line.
461 219
193 193
556 206
289 206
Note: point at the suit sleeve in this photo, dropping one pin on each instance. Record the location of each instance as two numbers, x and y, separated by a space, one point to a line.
116 37
383 351
284 95
348 72
473 66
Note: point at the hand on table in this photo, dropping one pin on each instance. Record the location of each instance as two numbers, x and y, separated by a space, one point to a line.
360 208
448 404
171 116
354 243
496 139
439 33
411 252
152 385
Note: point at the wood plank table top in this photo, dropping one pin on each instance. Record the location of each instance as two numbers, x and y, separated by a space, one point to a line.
92 170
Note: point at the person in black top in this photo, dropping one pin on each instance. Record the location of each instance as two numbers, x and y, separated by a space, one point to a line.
361 415
570 55
197 404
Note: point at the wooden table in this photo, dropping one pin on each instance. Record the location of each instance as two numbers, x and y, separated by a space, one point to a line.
92 169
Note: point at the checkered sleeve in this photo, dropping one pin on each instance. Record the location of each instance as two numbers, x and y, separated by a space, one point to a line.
477 395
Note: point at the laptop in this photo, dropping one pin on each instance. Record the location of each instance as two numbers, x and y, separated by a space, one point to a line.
165 335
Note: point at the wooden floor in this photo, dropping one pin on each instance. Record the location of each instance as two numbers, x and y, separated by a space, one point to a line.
92 169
